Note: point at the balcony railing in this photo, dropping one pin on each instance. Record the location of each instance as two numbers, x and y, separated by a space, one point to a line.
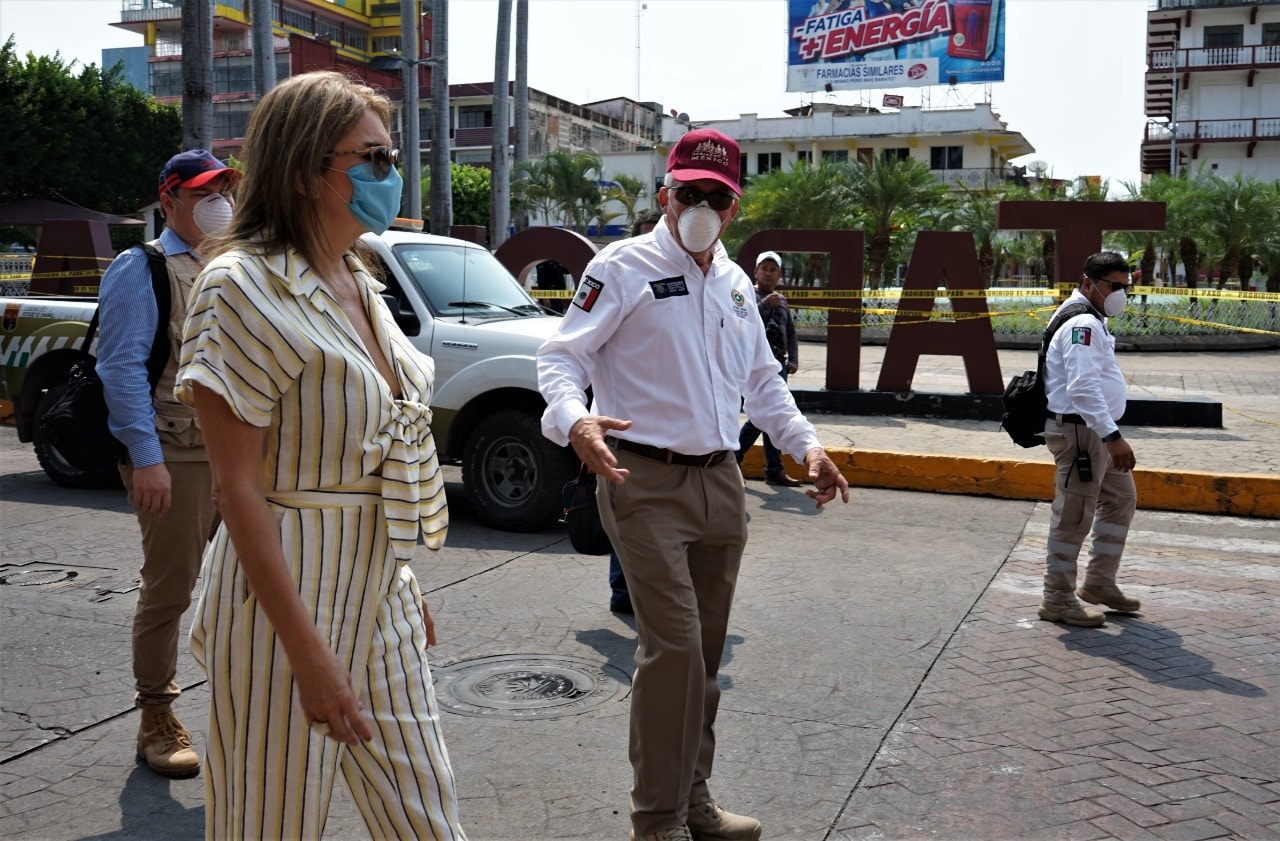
1237 130
1156 5
1216 58
974 177
141 11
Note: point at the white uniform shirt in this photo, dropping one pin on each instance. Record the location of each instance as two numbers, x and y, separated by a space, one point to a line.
1081 375
670 349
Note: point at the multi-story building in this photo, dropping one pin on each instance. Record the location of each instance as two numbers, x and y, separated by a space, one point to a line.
965 147
359 38
1213 87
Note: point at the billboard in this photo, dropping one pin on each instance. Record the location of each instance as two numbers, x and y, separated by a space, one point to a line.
856 44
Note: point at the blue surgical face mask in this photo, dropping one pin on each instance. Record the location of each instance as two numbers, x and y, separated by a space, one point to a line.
374 203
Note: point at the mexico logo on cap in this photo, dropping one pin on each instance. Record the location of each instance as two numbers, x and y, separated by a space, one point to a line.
709 150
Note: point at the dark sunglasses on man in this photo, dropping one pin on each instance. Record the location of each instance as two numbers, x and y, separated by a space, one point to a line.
691 197
383 158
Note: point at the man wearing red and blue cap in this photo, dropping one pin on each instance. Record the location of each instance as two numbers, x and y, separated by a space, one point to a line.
664 330
165 469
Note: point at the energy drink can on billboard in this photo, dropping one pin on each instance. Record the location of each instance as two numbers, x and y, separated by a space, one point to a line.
973 28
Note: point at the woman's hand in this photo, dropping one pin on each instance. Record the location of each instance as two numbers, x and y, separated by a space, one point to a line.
328 700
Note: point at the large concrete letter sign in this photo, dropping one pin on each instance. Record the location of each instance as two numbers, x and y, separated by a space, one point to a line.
533 245
844 321
942 258
1079 226
71 256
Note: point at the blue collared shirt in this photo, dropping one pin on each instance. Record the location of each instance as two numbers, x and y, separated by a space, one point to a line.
127 321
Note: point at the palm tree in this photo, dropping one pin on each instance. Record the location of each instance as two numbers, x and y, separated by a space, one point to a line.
1245 212
626 190
1186 219
441 174
885 196
531 193
500 203
975 211
521 219
197 76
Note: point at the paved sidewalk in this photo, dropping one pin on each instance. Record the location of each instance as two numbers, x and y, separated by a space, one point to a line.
886 676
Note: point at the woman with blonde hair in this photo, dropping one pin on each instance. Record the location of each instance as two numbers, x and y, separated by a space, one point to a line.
310 625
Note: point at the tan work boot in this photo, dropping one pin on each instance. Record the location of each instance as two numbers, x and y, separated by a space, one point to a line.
708 822
1071 613
677 833
1109 595
165 745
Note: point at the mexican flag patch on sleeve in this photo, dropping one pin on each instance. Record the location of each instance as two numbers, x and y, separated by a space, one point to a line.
1081 335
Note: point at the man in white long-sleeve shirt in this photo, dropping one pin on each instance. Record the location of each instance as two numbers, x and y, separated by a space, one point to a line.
1093 485
664 329
165 469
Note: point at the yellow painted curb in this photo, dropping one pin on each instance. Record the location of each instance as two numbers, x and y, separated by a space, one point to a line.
1248 495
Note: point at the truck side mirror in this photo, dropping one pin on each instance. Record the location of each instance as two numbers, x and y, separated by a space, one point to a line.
406 319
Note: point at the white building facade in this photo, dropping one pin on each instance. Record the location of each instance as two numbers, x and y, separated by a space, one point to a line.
1213 87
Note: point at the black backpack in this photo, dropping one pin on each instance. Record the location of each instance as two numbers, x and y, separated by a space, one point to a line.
75 424
1025 404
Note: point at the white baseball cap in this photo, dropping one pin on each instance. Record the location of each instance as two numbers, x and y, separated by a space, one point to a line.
769 255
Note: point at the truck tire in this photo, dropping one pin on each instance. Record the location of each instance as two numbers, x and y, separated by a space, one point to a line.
106 475
514 477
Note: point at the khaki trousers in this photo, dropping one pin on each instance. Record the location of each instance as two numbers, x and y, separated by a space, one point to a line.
1104 505
172 547
679 533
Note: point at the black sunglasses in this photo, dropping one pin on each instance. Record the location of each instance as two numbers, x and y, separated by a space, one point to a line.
382 158
689 197
1124 287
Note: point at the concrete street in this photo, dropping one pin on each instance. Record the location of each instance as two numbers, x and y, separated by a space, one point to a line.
886 675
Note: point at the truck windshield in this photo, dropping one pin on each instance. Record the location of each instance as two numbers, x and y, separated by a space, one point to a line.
458 281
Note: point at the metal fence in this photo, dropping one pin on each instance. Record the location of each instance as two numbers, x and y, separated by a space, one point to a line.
1186 313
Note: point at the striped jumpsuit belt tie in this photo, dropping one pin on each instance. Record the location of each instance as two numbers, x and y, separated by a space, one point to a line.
411 485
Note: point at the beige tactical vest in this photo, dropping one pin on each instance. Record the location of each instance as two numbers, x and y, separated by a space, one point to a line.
176 423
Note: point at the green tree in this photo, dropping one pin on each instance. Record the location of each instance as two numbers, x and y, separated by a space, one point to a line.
626 191
81 135
975 211
891 198
568 185
1245 215
805 196
469 196
1187 221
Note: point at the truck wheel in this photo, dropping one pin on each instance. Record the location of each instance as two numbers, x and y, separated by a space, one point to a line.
105 475
514 476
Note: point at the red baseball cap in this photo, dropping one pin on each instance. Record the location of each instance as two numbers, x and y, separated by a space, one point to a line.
706 153
193 168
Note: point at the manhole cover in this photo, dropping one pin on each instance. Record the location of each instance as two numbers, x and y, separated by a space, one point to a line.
527 686
36 577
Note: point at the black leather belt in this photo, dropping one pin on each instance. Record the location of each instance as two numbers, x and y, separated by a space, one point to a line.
1064 418
667 456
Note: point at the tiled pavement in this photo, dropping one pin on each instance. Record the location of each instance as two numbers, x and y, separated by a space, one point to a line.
1160 725
888 676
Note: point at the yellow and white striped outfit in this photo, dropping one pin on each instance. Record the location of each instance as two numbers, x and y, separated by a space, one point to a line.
352 475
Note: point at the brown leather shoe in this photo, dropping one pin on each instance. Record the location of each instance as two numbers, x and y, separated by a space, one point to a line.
165 745
782 479
708 822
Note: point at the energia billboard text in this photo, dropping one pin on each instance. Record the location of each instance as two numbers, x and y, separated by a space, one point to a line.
854 44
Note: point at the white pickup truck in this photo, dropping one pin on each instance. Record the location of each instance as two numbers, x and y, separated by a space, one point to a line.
458 305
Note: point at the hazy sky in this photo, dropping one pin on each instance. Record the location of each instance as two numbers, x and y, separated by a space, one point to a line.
1073 68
